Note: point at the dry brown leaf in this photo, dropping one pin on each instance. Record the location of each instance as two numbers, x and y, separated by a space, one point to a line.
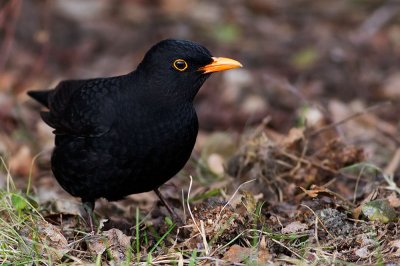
363 252
295 135
294 227
249 201
97 245
55 244
118 243
237 254
393 200
112 240
356 212
20 163
312 193
396 245
263 252
67 207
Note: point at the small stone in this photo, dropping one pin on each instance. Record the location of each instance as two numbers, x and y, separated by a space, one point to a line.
379 210
363 252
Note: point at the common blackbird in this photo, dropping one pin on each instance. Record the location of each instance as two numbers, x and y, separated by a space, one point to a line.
128 134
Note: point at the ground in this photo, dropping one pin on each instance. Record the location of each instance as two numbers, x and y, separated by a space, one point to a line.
297 158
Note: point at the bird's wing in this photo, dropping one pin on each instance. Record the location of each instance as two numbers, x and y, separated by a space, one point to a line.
82 107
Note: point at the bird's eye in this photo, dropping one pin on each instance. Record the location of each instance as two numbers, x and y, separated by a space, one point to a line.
180 65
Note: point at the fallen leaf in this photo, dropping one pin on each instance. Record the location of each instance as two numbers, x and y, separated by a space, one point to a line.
97 244
114 241
55 244
118 243
249 201
314 191
237 254
20 163
18 202
363 252
294 227
294 136
396 245
393 200
263 253
356 212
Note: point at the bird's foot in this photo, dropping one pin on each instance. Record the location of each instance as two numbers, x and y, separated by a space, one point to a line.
177 219
89 208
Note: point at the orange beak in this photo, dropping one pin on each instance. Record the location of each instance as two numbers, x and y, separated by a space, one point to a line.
220 64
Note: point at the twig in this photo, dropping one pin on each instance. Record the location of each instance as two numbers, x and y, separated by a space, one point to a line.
233 195
31 171
392 184
183 206
357 182
393 164
390 136
202 233
376 21
296 158
319 220
296 254
285 84
351 117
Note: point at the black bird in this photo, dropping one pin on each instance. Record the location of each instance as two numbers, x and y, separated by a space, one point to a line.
128 134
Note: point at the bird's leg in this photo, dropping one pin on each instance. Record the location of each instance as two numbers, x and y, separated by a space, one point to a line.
165 203
89 208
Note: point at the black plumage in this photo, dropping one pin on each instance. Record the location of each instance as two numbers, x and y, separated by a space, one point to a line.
128 134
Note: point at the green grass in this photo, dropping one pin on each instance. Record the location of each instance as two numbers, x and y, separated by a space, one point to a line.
18 234
19 239
21 243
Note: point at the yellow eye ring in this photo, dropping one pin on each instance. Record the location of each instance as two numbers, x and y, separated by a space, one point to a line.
180 65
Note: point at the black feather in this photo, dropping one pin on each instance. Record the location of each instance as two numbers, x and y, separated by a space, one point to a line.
127 134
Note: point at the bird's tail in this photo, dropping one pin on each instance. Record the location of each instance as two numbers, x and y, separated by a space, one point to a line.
41 96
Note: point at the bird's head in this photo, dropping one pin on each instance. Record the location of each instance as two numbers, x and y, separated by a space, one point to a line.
178 67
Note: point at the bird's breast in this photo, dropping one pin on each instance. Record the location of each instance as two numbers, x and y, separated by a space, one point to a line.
158 140
138 154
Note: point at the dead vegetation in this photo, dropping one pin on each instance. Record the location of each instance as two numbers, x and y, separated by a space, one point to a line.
304 168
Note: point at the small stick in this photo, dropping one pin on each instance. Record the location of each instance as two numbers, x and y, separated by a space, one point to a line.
351 117
393 164
233 195
201 232
165 203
